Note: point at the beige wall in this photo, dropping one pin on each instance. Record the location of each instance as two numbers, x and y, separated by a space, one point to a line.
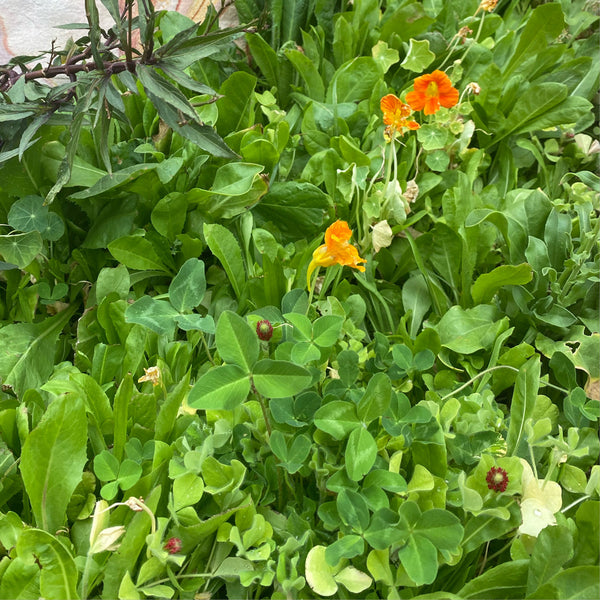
28 27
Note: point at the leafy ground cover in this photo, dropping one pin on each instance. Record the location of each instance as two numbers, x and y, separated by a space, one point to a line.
303 308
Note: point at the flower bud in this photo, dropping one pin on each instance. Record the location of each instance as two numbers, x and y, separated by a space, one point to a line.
264 330
173 545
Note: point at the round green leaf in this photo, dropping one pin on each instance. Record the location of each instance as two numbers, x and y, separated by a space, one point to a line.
20 249
157 315
360 455
279 378
188 286
419 559
337 418
319 575
236 341
28 214
221 388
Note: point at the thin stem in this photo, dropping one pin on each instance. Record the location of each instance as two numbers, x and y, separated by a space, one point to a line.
575 503
264 410
208 354
468 383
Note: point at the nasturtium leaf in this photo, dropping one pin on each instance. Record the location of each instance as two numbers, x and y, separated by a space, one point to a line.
361 452
221 388
28 214
20 249
236 341
418 57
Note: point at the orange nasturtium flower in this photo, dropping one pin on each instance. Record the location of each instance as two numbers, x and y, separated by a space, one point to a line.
431 92
395 115
336 250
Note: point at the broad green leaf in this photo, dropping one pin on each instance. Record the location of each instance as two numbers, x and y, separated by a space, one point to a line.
319 575
20 249
167 415
279 378
355 80
194 321
386 480
337 418
348 546
296 208
225 247
53 458
353 510
169 214
237 187
313 83
187 490
83 174
20 580
121 410
522 406
157 315
326 330
468 330
27 351
485 286
114 180
416 299
507 580
419 559
376 399
442 528
222 388
418 57
136 253
236 107
188 286
58 576
236 341
112 280
573 583
554 547
360 454
544 25
219 477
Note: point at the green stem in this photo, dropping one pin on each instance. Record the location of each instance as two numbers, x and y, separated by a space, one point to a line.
85 576
468 383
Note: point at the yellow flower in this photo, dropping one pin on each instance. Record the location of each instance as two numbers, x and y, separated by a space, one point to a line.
396 116
336 250
541 501
151 374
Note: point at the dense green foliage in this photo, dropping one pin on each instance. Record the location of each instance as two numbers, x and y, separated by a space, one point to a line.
425 428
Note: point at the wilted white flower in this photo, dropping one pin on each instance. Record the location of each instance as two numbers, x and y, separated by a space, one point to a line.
541 501
382 235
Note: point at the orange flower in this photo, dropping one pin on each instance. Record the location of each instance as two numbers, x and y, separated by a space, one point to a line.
395 115
431 92
336 250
